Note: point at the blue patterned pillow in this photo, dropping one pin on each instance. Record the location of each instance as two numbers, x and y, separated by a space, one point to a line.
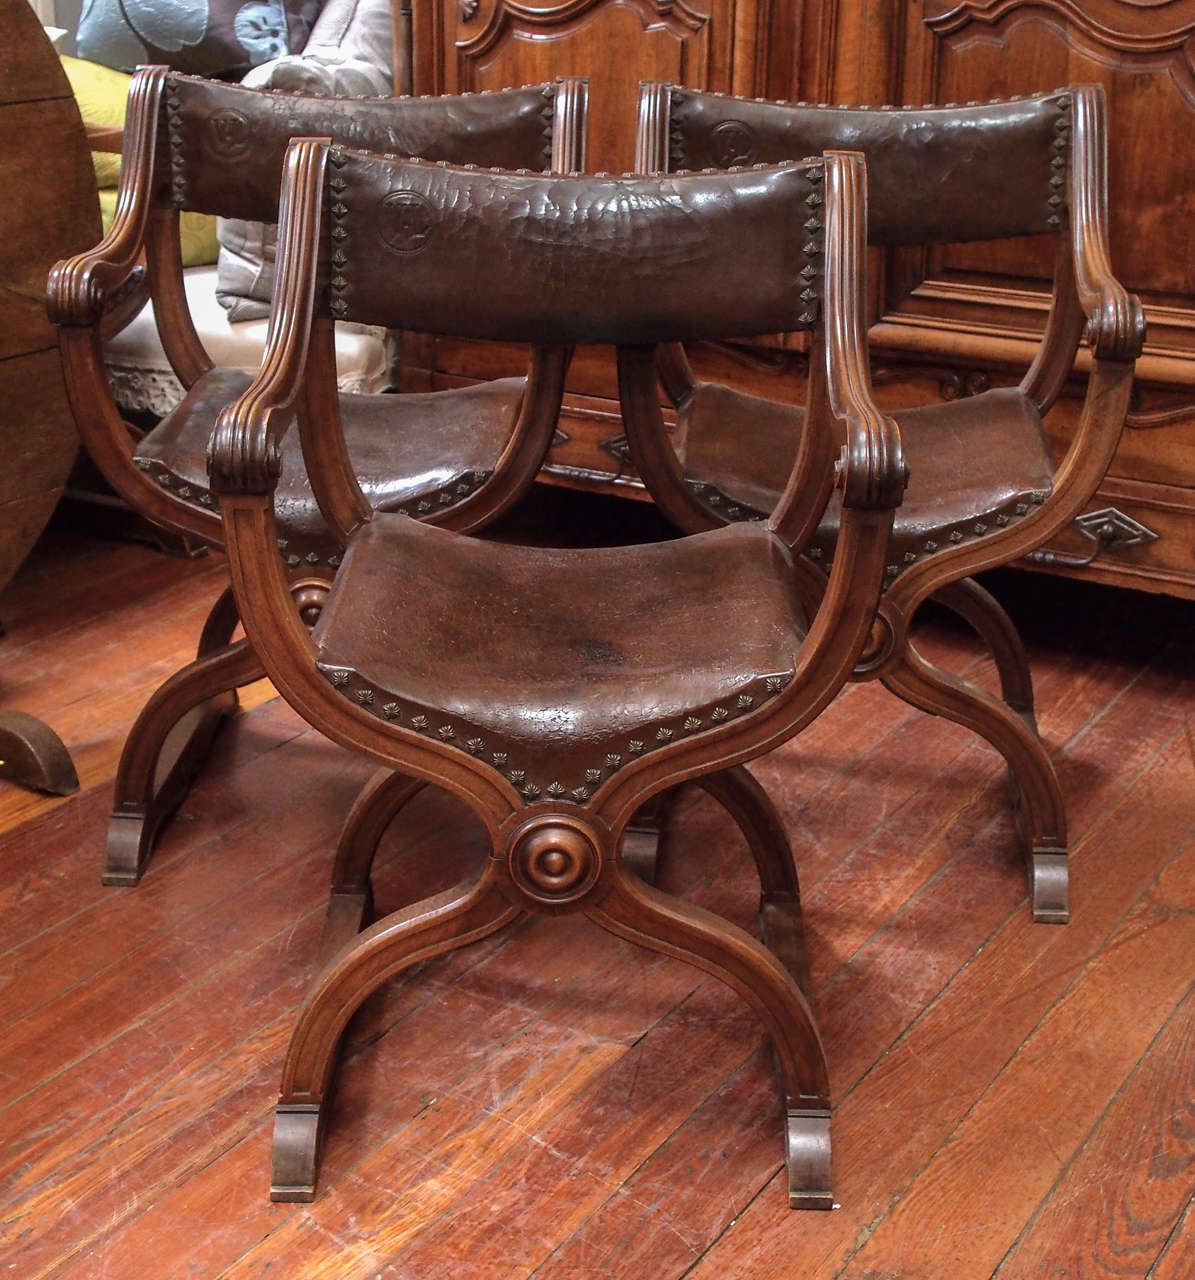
202 37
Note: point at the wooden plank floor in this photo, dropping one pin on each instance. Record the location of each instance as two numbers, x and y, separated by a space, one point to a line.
1011 1100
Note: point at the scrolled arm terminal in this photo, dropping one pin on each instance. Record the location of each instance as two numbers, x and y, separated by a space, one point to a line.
80 289
872 473
244 454
1115 319
244 451
871 468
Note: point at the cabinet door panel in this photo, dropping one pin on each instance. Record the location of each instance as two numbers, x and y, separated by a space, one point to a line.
1141 53
490 44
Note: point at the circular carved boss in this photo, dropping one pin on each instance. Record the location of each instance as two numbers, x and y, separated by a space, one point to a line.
229 134
553 860
407 221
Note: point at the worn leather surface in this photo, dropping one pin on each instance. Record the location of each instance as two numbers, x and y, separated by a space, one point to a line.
545 656
970 461
405 448
547 259
226 143
935 174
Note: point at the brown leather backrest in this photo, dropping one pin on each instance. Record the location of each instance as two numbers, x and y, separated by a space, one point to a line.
483 253
222 145
935 174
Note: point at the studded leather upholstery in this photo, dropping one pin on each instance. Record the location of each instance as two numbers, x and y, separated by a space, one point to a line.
976 172
422 224
223 144
418 453
975 464
542 662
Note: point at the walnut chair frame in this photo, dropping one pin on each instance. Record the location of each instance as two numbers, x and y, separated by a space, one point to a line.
457 458
981 172
567 728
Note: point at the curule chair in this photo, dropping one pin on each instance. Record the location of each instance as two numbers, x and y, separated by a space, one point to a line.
983 488
456 458
527 681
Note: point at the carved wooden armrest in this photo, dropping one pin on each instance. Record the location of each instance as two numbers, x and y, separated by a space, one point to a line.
244 453
870 470
79 288
1115 319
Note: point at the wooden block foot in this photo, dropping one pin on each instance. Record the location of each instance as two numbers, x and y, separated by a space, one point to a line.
1049 886
807 1155
298 1132
130 842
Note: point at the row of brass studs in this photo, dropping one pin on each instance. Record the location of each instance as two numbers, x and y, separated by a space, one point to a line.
1058 161
814 246
464 737
276 92
977 530
172 484
456 490
548 116
678 96
337 210
724 505
175 130
731 510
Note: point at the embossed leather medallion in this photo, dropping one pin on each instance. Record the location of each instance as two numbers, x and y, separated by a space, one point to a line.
731 143
228 134
407 221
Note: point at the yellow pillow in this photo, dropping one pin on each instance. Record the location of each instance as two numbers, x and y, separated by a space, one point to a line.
102 95
196 231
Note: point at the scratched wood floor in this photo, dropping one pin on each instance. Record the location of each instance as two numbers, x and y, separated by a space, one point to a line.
1011 1100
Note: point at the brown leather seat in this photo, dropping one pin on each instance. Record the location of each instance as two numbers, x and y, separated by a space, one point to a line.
583 694
974 464
983 488
458 457
557 691
418 453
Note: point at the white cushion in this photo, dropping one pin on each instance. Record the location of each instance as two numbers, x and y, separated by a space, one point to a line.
143 380
350 52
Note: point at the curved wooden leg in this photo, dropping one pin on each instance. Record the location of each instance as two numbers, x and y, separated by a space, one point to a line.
1041 814
644 915
351 901
809 582
418 932
985 615
737 791
646 836
171 739
32 755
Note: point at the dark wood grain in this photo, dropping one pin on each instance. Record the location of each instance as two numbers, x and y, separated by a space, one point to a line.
1080 1053
957 1037
1114 1208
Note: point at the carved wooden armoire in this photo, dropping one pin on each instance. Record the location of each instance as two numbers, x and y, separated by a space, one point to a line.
947 322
